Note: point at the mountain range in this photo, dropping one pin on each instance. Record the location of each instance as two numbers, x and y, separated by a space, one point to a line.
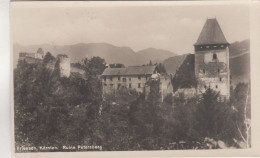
111 54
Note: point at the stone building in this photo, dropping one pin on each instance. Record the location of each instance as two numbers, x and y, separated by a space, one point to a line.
212 59
133 77
64 65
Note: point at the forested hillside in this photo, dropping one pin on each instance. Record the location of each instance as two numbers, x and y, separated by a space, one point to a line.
56 111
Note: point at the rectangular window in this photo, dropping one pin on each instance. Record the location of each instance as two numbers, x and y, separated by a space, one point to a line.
146 77
214 56
216 86
130 85
218 71
129 78
118 86
124 79
139 77
204 71
105 84
105 78
205 87
220 79
111 78
118 78
139 85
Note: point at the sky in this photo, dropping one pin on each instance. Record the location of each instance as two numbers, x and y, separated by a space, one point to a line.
171 27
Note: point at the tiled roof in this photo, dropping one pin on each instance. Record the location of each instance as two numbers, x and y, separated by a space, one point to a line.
211 34
132 70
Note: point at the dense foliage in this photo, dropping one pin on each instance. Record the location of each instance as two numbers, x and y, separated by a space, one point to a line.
185 74
52 110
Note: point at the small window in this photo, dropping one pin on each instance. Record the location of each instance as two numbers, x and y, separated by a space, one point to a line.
118 86
218 70
124 79
105 84
214 56
105 78
139 85
129 78
111 85
146 77
111 78
220 79
216 86
139 77
118 78
130 85
204 71
205 86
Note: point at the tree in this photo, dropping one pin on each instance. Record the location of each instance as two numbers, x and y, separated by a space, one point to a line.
161 69
48 58
241 105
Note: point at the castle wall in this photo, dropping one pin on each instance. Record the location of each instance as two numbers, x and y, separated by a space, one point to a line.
64 66
165 86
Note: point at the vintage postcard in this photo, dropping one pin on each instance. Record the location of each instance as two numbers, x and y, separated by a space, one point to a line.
131 76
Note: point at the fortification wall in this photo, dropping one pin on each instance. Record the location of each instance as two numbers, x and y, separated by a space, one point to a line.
64 65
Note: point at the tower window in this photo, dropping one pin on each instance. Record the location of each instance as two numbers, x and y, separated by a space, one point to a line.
214 56
118 86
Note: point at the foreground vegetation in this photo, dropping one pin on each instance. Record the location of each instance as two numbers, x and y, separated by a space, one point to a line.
55 111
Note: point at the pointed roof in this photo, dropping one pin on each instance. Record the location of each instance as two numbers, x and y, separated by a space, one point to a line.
211 34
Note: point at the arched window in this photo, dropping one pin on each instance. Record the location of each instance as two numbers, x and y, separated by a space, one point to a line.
214 56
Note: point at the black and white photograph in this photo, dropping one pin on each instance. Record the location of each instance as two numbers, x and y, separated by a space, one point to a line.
99 76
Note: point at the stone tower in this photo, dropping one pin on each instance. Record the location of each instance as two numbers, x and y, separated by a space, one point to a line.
212 60
40 54
64 65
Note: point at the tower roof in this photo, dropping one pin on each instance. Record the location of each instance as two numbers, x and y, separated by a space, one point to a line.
211 34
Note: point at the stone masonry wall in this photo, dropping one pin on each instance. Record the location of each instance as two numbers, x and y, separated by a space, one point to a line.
213 73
